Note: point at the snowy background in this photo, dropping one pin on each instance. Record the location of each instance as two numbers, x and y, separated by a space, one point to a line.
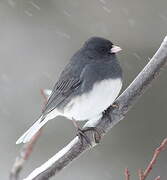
37 38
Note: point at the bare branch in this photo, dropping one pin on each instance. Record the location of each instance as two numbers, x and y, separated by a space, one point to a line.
27 148
155 156
127 174
45 93
140 174
109 119
158 178
143 175
23 156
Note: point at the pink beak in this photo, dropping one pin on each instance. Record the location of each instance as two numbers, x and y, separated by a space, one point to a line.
115 49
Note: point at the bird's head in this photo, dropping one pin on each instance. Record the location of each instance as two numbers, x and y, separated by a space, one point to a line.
101 46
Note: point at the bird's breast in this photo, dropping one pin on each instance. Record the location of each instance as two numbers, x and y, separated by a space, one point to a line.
94 102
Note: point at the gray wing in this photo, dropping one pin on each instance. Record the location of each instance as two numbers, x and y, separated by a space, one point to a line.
65 86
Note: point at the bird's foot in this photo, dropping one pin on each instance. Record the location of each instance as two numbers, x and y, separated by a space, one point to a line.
81 134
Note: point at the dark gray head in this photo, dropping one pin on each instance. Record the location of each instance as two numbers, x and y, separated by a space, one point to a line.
101 46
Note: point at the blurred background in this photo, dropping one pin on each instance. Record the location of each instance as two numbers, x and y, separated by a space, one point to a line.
37 38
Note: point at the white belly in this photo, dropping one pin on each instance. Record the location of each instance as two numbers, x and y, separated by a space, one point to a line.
92 104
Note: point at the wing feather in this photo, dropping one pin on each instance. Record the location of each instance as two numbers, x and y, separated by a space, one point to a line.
61 91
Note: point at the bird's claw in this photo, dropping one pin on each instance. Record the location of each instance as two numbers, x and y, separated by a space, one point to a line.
81 134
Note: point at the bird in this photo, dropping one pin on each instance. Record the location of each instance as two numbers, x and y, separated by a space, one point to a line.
87 86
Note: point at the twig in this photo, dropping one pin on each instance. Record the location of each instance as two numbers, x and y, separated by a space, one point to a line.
143 175
154 158
158 178
45 96
127 174
23 156
140 174
27 148
111 118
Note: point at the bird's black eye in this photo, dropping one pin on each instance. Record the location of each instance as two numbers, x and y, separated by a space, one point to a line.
103 49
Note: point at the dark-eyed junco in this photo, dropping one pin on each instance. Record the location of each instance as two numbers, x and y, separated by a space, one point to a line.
88 85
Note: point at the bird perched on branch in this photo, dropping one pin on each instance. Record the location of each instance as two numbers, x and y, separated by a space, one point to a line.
87 86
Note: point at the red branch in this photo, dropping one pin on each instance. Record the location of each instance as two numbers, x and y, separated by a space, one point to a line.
143 174
157 178
23 156
127 174
45 98
140 174
154 158
26 150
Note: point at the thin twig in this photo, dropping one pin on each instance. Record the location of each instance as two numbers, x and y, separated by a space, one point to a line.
23 156
158 178
111 118
127 174
45 96
140 174
27 149
143 175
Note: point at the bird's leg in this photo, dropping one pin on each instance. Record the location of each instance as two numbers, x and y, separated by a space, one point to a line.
81 133
75 124
96 135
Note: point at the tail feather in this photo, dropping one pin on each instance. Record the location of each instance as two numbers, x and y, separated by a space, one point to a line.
26 137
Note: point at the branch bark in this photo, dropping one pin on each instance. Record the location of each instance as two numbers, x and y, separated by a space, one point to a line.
112 116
